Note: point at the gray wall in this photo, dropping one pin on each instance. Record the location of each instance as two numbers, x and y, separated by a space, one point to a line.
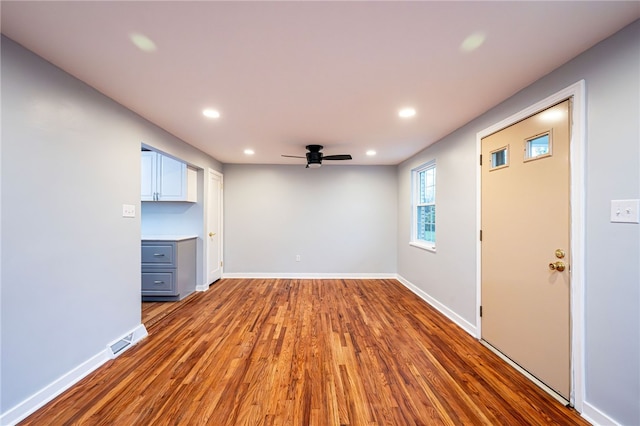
448 275
70 274
339 219
611 70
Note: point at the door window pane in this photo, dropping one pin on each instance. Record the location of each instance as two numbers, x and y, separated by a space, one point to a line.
538 146
500 158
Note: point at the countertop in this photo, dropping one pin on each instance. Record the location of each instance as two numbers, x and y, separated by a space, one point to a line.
168 237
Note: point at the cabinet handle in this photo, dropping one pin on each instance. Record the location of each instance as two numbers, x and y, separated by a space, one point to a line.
158 254
158 282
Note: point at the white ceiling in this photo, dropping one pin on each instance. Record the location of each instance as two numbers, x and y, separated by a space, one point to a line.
287 74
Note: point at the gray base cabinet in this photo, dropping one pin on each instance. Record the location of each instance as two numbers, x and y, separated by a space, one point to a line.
168 269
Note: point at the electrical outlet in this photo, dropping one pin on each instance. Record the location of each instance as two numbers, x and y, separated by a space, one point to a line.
625 211
128 210
297 258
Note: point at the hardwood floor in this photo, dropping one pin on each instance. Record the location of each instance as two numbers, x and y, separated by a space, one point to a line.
304 352
152 312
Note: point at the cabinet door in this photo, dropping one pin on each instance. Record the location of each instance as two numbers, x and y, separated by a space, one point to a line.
148 175
172 179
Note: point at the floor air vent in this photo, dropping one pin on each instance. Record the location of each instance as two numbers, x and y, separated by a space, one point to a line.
119 346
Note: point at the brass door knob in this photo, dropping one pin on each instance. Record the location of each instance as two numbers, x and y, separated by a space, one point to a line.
557 266
211 234
560 254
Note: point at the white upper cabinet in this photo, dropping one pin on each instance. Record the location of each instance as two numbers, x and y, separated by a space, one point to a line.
166 179
148 176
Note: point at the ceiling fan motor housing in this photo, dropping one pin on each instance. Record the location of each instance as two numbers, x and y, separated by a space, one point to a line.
314 157
314 148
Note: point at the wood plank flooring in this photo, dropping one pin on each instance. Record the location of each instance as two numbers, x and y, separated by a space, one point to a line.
304 352
152 312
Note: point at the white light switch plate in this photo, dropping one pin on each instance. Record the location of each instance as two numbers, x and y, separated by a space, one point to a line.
626 211
128 210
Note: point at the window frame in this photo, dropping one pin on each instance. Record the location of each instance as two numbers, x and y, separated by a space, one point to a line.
415 204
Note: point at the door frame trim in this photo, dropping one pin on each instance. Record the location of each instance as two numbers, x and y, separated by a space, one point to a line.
577 146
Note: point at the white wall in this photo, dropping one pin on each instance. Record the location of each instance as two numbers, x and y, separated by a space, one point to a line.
341 220
70 277
611 70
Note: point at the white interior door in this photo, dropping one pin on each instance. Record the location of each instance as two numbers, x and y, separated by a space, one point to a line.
214 227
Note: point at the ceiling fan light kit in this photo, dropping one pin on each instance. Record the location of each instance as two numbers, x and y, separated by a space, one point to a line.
314 156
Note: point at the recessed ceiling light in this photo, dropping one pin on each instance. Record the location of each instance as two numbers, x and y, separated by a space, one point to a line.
371 153
249 152
143 42
211 113
407 112
473 42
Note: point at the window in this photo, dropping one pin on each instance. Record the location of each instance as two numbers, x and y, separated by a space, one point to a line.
500 158
423 233
537 147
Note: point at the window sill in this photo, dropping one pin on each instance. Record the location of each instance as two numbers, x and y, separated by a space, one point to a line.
423 246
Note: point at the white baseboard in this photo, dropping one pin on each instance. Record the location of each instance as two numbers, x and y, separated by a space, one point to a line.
595 416
463 323
272 275
207 285
52 390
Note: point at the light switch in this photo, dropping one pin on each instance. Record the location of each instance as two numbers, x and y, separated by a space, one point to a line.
128 210
626 211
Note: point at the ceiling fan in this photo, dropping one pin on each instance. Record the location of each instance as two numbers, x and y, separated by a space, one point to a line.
314 156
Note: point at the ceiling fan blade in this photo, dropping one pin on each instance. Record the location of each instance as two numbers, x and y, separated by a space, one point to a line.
337 157
293 156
